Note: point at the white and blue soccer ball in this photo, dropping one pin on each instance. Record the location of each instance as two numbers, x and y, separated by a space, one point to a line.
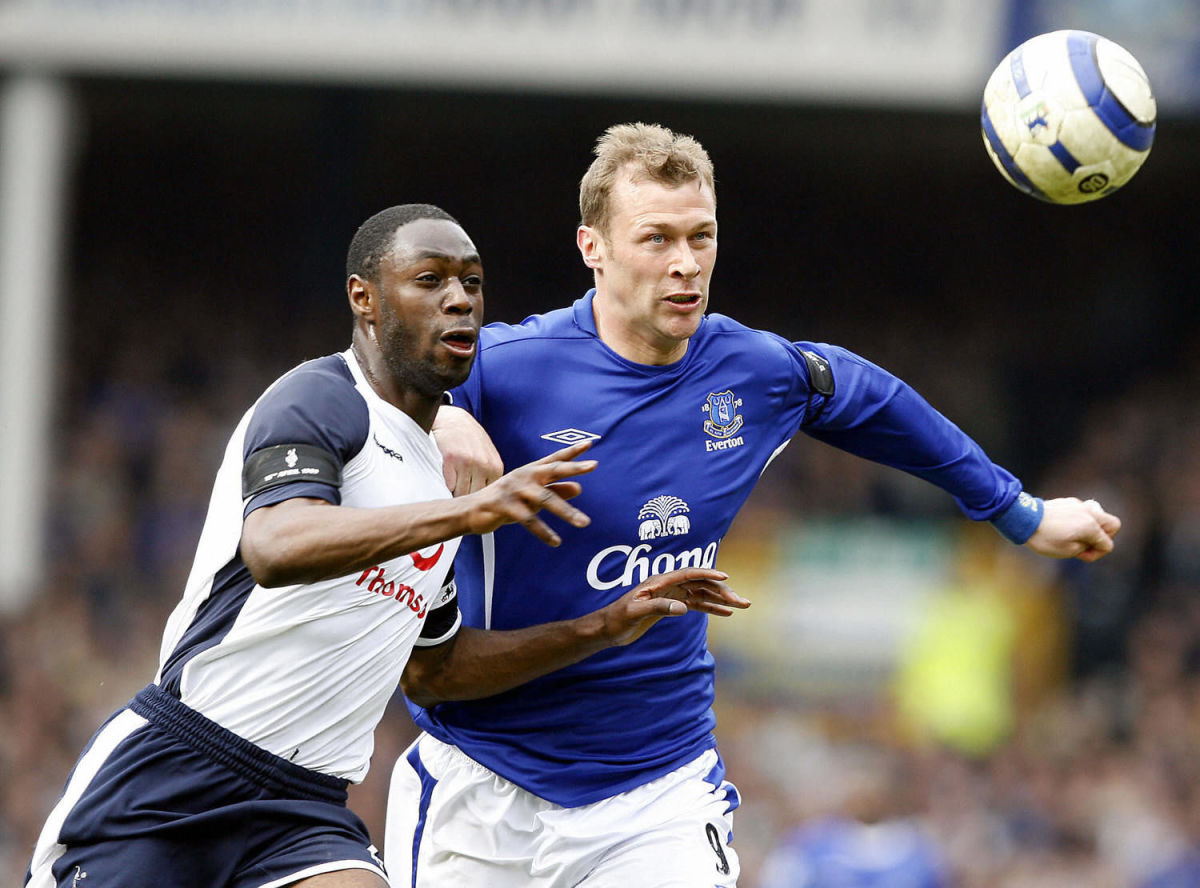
1068 117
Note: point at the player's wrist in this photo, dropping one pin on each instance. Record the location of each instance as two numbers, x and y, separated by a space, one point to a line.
472 514
1021 519
593 632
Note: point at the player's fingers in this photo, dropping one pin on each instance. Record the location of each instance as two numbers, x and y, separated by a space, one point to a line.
462 483
541 530
487 471
566 453
1091 547
706 602
713 610
1108 522
475 480
1101 544
556 505
641 609
716 593
566 489
682 575
450 476
551 473
704 595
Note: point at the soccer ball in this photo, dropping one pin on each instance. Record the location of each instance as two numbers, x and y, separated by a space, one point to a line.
1068 117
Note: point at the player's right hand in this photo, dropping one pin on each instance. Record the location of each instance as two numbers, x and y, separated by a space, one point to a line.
518 497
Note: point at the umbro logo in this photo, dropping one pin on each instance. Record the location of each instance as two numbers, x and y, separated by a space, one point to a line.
571 436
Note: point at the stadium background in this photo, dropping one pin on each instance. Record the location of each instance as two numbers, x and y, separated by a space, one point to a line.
1042 720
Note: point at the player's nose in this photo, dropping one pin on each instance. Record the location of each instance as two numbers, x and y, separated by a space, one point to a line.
685 265
457 299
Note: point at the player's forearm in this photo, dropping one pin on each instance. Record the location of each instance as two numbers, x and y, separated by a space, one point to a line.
483 663
304 541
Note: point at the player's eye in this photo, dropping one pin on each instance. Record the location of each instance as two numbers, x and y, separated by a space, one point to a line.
657 239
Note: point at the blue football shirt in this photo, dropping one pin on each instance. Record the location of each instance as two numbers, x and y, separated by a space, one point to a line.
679 448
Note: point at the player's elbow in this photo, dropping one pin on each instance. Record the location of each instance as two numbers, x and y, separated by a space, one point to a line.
274 551
428 679
420 694
267 572
275 561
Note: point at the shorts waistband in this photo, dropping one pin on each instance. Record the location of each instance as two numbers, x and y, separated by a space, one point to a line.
273 773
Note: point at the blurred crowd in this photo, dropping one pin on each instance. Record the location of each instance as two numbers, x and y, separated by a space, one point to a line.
1095 782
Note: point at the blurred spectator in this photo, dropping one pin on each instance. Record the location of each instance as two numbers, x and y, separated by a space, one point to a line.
871 840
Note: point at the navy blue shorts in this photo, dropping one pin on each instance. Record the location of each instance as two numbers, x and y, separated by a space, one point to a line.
165 798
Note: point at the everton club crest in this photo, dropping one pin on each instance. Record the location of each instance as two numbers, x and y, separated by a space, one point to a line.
723 418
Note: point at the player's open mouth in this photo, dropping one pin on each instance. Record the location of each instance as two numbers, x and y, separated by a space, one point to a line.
461 342
686 300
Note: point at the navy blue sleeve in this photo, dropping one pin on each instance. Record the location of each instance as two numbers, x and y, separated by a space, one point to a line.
875 415
314 407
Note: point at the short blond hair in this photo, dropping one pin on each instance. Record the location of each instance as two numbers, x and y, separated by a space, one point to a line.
655 153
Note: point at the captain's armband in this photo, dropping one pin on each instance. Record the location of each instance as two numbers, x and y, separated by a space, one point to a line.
820 374
820 382
286 464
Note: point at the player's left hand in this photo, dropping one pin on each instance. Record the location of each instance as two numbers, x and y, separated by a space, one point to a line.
671 594
469 459
1073 528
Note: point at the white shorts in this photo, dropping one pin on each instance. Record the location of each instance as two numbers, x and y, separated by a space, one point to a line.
471 827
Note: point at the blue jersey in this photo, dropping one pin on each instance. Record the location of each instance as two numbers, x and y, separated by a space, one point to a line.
679 448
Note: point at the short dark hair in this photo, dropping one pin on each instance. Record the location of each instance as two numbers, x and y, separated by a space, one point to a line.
374 237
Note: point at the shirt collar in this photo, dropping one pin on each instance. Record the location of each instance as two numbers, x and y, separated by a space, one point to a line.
585 317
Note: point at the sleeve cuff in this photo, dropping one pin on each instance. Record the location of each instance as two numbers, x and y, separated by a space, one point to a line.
1018 522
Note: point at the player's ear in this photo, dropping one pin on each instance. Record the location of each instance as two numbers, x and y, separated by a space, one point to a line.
362 297
591 246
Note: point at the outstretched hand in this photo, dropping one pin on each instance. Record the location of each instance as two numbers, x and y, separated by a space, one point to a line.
478 663
671 594
518 497
1073 528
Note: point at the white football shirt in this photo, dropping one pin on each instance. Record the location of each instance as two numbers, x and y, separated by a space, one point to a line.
305 671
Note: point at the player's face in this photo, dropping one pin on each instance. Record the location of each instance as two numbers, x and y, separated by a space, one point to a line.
653 267
430 291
